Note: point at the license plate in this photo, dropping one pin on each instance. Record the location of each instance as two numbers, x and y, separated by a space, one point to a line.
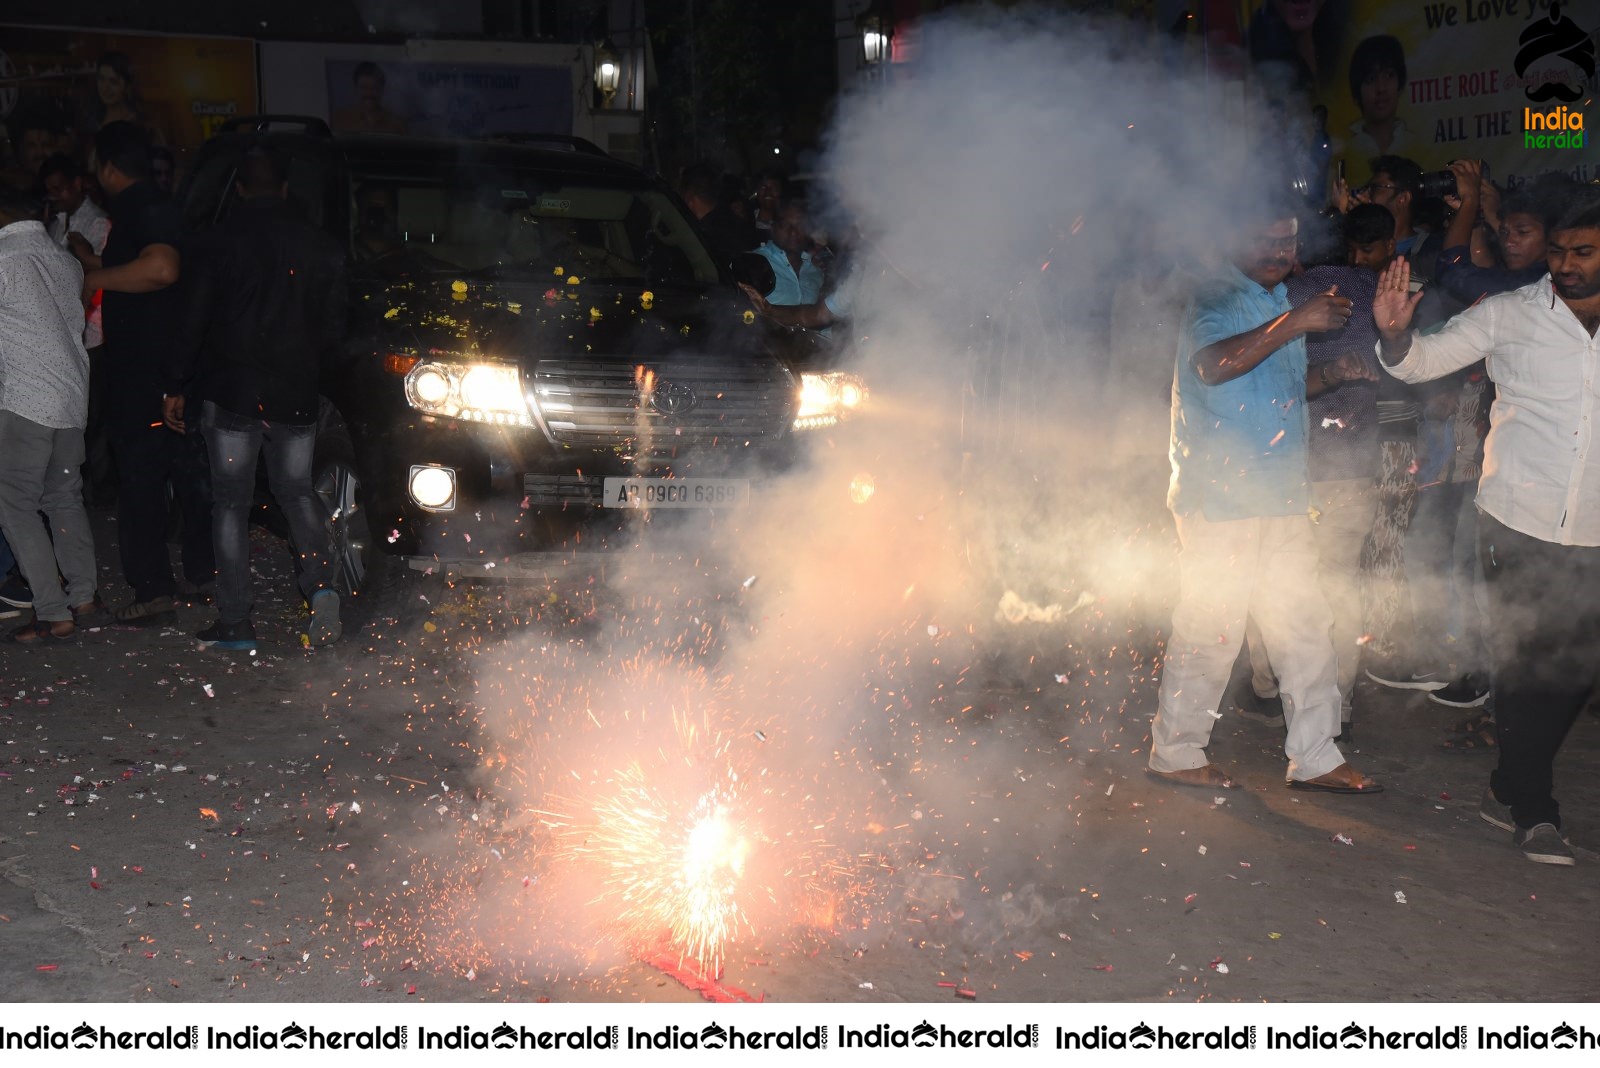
676 492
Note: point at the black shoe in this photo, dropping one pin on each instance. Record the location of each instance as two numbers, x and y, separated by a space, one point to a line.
222 635
16 592
1398 676
195 594
1469 691
1253 705
325 627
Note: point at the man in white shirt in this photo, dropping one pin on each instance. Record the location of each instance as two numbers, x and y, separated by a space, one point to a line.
77 220
72 212
1539 499
44 388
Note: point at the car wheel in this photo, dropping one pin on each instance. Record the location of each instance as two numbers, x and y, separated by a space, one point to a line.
338 484
372 584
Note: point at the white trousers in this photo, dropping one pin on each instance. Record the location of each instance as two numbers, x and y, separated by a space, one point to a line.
1231 571
1346 510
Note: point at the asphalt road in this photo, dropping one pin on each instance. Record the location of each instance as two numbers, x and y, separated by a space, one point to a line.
370 823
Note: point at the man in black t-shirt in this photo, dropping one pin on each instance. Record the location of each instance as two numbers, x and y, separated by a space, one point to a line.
726 234
265 303
136 271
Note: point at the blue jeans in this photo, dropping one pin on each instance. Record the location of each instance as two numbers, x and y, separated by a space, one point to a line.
233 443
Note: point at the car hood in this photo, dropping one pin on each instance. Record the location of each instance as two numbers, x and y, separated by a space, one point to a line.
563 317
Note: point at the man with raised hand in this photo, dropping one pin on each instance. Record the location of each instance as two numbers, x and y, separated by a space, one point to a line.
1538 503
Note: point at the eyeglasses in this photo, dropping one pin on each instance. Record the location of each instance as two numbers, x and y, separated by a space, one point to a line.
1274 244
1370 186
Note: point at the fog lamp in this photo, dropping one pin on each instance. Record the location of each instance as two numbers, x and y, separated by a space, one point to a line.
434 488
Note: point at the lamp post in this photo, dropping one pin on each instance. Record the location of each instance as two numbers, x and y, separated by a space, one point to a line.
607 72
875 36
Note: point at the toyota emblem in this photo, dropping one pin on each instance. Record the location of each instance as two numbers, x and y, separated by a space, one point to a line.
673 398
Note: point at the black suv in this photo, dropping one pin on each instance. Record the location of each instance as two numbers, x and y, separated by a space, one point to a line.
540 347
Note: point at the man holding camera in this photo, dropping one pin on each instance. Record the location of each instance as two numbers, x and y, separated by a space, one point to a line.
1539 504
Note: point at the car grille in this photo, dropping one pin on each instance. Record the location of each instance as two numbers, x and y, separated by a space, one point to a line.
693 404
544 491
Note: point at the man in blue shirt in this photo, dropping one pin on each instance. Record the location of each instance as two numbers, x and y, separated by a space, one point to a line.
1240 495
798 278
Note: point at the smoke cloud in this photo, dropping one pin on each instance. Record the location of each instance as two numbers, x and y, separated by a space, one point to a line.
825 664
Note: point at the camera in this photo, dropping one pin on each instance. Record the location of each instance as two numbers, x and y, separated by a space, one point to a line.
1443 183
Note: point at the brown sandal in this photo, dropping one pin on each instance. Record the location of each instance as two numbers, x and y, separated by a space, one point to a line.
44 630
1209 776
1341 780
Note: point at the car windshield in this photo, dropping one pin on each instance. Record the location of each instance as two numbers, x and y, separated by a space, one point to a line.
502 226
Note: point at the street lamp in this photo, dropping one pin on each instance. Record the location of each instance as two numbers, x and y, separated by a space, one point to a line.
607 72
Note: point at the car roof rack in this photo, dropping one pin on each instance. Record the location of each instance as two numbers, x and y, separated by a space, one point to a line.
566 141
306 124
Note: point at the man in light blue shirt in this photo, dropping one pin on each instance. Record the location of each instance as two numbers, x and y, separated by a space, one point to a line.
1240 495
798 279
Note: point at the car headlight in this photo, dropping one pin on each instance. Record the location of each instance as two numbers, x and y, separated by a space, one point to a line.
479 392
825 399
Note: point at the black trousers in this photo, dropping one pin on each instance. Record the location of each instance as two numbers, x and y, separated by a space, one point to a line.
1544 634
149 461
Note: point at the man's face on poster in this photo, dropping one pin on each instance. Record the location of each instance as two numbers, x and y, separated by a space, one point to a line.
1380 95
369 92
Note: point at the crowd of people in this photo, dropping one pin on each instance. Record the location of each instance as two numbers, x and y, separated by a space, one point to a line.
1402 401
1377 439
161 367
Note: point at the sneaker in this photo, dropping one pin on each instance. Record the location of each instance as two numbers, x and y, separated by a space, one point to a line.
325 626
1397 677
16 592
222 635
152 613
1495 814
1543 844
1469 691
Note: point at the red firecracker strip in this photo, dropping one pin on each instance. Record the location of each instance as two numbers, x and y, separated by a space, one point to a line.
690 975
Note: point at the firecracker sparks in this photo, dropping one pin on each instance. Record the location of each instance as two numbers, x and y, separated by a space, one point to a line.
665 871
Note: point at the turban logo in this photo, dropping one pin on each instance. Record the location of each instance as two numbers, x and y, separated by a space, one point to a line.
1560 38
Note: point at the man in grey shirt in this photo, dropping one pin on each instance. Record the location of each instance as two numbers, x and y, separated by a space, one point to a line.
44 389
